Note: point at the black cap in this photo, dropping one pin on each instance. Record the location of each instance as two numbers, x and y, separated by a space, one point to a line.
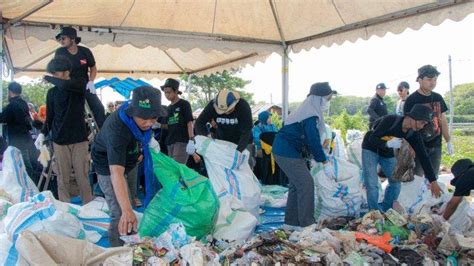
321 89
421 112
427 71
70 32
403 85
459 168
171 83
381 86
14 87
146 103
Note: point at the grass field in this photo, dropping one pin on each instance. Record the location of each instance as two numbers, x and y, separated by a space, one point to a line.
463 148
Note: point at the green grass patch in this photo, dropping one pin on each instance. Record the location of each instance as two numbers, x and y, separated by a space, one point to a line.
463 148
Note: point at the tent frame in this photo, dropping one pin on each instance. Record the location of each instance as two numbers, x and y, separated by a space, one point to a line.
285 44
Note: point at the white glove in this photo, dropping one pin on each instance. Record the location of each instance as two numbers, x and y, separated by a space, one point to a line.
39 141
190 148
329 171
394 143
91 87
439 219
449 148
154 145
44 156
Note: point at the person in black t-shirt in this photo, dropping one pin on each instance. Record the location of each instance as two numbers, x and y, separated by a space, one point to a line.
463 172
116 151
17 118
233 118
66 126
83 67
377 148
180 137
427 78
377 107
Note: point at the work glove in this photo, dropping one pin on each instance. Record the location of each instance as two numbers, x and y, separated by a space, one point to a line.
39 142
449 148
91 87
191 147
154 145
394 143
44 156
329 171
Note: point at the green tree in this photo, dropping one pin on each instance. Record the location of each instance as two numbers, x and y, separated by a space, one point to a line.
344 122
349 104
205 88
34 92
463 96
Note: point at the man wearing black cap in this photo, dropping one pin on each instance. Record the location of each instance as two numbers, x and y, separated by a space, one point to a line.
17 118
180 137
125 135
66 127
83 67
427 78
377 107
463 172
377 148
403 91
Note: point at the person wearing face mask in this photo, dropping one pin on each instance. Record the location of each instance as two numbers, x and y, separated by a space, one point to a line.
377 148
302 130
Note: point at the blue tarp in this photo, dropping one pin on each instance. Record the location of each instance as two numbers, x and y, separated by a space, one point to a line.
124 87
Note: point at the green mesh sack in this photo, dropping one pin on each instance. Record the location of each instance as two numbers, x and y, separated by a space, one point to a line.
186 197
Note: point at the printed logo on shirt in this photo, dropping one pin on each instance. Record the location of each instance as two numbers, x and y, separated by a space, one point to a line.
436 108
173 119
83 61
227 121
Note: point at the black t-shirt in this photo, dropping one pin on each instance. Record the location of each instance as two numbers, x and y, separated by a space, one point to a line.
434 101
81 61
391 126
65 112
465 184
235 127
377 108
179 115
115 145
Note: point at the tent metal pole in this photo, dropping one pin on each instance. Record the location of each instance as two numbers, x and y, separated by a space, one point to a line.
284 85
451 99
189 85
28 13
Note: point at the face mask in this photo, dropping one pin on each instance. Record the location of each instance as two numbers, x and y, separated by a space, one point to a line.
324 105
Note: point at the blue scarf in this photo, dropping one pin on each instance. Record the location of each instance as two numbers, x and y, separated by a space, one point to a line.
151 182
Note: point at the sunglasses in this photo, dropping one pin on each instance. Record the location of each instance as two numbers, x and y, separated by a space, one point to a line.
62 38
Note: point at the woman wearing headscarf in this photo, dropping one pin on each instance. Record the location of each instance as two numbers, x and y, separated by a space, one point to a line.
265 167
302 130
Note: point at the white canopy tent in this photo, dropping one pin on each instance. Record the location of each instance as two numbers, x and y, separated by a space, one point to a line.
161 38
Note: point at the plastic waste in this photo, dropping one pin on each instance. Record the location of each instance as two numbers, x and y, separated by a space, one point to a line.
379 241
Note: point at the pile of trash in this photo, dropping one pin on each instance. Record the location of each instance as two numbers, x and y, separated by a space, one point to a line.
376 238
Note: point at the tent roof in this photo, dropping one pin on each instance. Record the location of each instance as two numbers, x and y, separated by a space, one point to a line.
166 38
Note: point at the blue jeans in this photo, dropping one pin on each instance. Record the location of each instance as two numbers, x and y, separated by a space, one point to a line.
370 160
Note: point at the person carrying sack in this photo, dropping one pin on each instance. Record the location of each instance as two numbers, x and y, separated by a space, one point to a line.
302 130
115 153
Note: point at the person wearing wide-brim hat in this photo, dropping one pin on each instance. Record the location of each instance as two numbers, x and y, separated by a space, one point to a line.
116 151
463 181
377 149
83 68
302 129
233 118
179 123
